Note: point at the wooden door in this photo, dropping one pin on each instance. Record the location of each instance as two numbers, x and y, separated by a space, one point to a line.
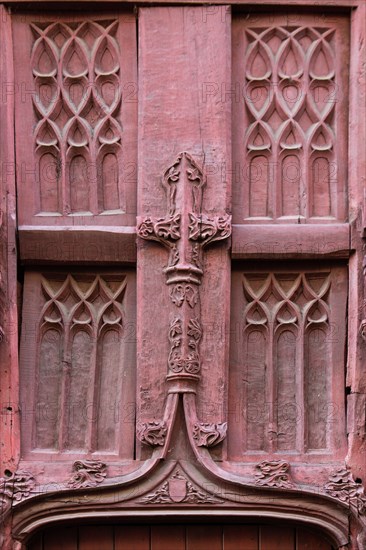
178 537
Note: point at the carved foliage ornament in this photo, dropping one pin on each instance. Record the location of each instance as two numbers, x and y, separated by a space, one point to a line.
207 229
16 486
152 433
209 435
341 485
183 182
179 489
273 474
88 473
184 353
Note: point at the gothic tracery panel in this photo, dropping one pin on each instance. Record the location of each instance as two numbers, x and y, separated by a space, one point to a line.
290 132
78 119
287 361
80 364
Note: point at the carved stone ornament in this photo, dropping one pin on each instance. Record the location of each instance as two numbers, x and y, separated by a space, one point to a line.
178 489
273 474
209 435
152 433
88 473
341 485
16 487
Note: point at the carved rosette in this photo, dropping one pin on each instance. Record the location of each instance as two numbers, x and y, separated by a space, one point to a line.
209 435
87 473
152 433
16 487
341 485
185 231
273 474
178 489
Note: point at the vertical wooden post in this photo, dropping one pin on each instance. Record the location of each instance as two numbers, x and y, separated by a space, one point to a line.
9 412
184 106
9 383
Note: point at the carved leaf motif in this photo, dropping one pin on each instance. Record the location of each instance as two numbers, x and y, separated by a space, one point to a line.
168 227
205 229
164 230
152 433
182 291
17 486
194 329
209 435
146 228
88 473
341 485
273 474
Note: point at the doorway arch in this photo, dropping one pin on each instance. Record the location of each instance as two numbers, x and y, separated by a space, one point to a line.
191 535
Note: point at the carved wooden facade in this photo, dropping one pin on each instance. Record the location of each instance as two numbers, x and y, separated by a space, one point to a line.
187 226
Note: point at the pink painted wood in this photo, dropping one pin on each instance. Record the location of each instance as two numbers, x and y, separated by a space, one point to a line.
297 195
76 120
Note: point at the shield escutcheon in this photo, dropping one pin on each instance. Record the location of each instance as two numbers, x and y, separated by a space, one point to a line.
177 489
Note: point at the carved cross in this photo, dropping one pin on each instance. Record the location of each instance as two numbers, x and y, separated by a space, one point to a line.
184 231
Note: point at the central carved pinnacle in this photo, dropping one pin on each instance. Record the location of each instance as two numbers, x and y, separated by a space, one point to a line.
185 231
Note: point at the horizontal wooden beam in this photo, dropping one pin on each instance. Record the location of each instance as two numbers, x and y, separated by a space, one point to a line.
82 245
207 5
290 241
